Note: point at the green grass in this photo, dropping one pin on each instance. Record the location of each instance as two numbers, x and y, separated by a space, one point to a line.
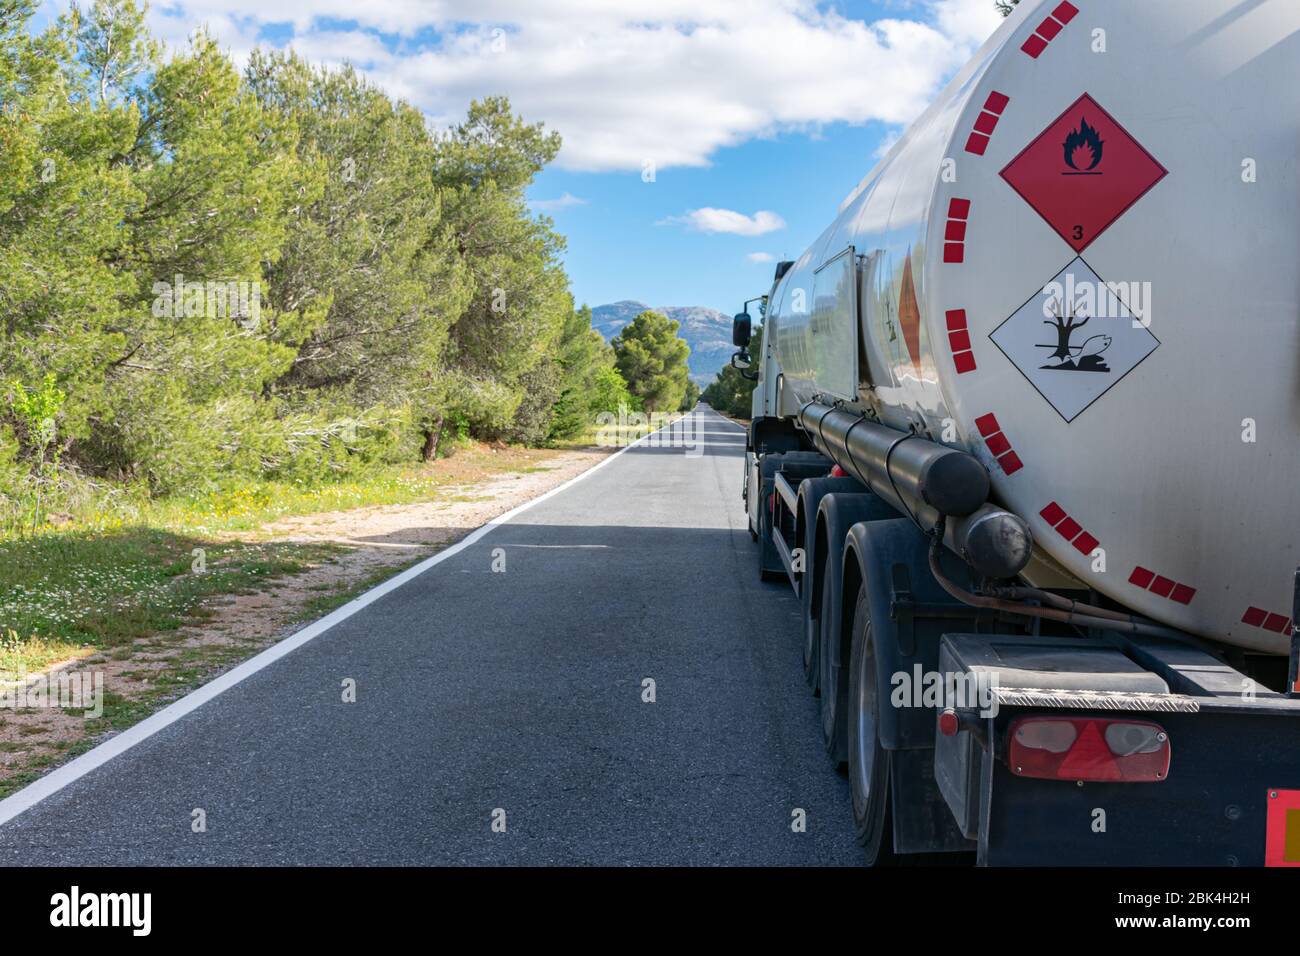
18 655
69 593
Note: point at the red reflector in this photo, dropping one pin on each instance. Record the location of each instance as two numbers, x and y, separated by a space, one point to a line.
1282 847
948 723
1082 748
838 472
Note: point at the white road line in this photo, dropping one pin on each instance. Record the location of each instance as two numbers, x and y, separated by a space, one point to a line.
74 770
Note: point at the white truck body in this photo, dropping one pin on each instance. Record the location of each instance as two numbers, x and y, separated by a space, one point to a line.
1082 265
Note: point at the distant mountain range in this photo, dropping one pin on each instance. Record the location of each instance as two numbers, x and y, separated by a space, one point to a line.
706 331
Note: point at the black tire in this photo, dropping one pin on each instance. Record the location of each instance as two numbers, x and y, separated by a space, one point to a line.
769 466
833 681
811 653
764 536
868 761
812 650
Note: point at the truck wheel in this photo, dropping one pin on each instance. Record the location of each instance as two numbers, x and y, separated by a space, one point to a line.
868 761
764 528
811 654
768 569
834 683
812 634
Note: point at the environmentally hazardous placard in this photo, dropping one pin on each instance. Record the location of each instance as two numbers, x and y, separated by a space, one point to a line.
1075 339
1083 172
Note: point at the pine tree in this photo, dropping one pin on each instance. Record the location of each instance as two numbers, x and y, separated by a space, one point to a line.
652 360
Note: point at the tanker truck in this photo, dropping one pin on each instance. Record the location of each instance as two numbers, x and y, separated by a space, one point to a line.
1025 441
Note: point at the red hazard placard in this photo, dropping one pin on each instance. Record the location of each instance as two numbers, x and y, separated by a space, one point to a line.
1083 172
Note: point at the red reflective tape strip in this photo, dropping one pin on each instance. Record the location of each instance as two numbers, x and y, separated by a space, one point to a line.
1035 46
1048 29
986 123
1069 529
997 102
953 249
1141 577
1053 514
1275 623
1254 616
1066 12
998 444
1162 586
959 339
1266 620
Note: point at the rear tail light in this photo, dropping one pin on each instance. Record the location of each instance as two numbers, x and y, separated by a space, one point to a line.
1085 748
949 723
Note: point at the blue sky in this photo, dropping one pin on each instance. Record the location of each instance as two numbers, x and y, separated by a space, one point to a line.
620 245
757 116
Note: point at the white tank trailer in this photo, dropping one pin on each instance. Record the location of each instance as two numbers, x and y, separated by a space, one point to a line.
1082 266
1025 441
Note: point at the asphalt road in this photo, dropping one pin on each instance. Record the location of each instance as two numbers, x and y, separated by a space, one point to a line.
521 691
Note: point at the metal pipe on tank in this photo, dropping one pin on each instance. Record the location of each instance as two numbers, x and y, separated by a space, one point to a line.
926 481
950 481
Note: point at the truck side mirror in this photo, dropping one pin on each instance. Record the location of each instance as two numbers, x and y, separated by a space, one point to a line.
741 360
741 330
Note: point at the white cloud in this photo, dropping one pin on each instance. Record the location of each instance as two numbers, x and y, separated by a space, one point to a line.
563 202
627 82
760 257
709 219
